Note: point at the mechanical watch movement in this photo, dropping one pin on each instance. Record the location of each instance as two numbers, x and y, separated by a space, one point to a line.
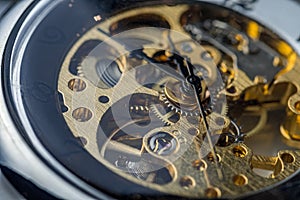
152 99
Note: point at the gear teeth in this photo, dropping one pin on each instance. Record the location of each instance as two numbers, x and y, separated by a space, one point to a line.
80 71
139 108
174 108
214 90
160 116
225 110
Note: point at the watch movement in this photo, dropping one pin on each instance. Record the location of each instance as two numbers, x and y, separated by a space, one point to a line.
171 99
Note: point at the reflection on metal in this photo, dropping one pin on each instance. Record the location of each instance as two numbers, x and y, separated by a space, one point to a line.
145 131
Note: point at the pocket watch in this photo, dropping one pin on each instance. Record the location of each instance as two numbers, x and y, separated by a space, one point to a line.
170 99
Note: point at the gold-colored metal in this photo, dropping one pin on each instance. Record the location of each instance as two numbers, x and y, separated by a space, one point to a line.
185 103
193 174
253 30
164 115
82 114
77 85
291 126
214 53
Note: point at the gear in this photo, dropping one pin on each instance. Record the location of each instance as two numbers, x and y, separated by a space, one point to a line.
184 103
193 111
169 117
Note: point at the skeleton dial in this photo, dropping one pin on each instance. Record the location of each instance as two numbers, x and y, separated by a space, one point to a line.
127 97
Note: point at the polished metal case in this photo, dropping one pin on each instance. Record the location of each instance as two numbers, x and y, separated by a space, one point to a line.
15 152
279 15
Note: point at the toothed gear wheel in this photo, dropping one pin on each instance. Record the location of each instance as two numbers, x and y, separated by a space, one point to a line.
187 105
165 115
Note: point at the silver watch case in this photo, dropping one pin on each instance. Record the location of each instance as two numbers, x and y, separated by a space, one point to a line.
282 16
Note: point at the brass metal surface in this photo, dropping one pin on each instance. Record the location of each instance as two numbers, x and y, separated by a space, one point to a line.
192 169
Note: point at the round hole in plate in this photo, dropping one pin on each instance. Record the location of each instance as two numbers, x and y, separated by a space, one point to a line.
193 131
211 158
232 90
220 121
239 151
225 140
297 106
82 114
193 120
76 85
187 182
212 192
103 99
162 143
240 180
200 165
206 55
287 158
187 47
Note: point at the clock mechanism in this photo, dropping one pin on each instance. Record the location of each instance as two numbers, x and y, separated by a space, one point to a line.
189 99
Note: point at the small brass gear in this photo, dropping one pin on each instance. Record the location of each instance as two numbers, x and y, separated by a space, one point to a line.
169 117
177 108
185 103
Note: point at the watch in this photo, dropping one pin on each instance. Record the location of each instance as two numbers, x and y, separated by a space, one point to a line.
170 99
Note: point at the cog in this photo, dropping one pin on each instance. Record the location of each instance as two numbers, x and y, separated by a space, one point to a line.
178 109
169 117
186 105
